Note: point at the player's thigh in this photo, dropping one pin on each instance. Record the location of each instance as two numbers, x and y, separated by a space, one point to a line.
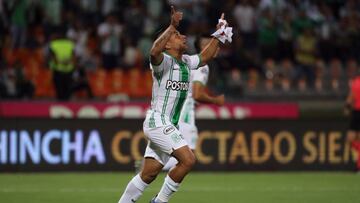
164 138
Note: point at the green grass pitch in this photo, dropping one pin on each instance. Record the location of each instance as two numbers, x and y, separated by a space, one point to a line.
198 188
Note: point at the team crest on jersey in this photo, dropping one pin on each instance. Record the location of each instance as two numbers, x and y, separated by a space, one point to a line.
169 129
204 70
177 85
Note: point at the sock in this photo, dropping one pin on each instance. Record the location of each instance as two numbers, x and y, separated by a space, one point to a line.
133 190
167 190
170 164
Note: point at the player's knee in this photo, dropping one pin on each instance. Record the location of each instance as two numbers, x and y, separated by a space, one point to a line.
148 177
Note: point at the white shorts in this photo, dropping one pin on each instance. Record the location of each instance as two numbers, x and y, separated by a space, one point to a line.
163 140
190 134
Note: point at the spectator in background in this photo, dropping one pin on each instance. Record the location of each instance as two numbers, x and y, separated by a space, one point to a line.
286 35
352 107
268 36
301 22
305 55
18 23
134 20
131 55
79 34
13 84
110 33
326 32
108 7
52 16
90 11
275 7
62 63
245 17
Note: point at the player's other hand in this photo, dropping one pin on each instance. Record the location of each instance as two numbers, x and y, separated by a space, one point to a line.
175 17
220 100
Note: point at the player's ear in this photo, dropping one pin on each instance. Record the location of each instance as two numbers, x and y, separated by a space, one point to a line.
167 46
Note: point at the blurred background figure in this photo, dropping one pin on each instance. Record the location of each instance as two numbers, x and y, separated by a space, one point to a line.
352 108
109 32
62 64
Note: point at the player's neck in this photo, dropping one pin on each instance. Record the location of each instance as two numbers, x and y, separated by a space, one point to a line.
175 54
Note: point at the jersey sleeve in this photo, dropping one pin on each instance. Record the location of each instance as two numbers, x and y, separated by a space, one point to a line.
201 75
164 64
193 61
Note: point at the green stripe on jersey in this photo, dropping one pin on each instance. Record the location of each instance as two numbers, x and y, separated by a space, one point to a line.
152 121
184 76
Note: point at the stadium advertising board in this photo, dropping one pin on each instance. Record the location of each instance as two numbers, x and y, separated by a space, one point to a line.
28 145
136 110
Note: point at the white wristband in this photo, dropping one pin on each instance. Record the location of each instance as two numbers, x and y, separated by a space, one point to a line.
224 33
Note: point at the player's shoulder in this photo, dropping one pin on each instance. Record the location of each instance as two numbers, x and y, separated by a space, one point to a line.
204 69
164 62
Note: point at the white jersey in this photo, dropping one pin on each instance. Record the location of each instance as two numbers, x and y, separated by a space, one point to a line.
188 112
171 82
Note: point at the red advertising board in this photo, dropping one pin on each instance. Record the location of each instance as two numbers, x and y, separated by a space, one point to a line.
138 110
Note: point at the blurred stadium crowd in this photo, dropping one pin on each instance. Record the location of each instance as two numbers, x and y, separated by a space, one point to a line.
290 49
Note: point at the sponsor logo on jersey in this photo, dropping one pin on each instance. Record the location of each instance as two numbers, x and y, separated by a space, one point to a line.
177 85
169 129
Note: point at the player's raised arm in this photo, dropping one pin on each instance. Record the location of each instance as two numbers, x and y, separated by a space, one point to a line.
222 34
159 45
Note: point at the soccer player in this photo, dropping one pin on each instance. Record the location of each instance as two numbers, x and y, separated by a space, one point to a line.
353 108
171 72
196 93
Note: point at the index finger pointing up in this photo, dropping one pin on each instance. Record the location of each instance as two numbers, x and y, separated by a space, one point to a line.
172 10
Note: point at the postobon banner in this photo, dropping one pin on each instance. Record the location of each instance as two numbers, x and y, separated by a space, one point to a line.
114 145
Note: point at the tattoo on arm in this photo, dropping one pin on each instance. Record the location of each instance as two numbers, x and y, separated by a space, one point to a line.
159 45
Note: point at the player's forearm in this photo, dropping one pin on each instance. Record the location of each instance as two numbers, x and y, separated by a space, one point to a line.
205 98
209 51
160 43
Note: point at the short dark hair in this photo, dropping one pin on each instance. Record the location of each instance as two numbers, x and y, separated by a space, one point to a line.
197 42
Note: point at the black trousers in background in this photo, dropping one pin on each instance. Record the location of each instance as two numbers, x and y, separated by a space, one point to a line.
63 85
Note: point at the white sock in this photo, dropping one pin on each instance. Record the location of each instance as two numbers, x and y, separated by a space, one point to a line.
168 188
170 164
133 190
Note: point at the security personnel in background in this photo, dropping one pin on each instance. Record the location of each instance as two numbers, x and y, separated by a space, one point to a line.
352 107
62 63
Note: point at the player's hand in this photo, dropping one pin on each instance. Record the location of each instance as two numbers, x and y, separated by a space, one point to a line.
175 17
218 26
220 100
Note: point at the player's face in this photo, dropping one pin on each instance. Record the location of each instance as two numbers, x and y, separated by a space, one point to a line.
204 42
177 42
